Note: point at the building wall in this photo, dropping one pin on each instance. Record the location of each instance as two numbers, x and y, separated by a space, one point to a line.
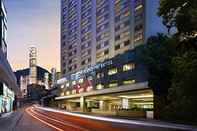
8 84
95 30
121 70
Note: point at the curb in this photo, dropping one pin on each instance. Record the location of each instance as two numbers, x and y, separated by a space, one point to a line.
17 121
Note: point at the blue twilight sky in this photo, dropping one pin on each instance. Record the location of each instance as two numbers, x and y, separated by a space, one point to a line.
33 22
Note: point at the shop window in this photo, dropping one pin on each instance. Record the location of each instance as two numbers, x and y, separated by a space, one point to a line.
129 66
112 71
126 82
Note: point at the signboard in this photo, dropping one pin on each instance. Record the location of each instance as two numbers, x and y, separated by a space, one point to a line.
78 75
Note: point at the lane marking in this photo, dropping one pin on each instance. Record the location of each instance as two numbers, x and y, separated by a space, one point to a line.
66 124
172 126
43 121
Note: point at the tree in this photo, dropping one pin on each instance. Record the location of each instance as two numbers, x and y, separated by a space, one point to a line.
181 14
182 94
157 55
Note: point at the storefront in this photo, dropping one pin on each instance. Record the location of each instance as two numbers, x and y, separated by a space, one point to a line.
6 98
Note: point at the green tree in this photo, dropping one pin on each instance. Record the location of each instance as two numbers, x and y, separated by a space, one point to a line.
182 94
157 55
182 15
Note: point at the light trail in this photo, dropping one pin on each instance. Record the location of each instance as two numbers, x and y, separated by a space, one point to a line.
63 123
164 125
27 110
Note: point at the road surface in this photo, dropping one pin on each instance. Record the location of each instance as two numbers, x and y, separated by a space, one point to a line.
64 121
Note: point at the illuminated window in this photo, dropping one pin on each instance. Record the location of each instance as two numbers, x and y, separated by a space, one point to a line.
139 7
129 66
114 84
62 94
68 93
67 84
81 90
62 86
126 82
99 75
99 86
81 80
74 92
112 71
89 88
74 83
126 13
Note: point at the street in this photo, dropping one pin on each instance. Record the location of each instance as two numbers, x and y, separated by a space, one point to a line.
36 118
67 122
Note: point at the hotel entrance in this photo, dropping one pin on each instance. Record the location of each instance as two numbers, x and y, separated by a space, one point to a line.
131 103
118 102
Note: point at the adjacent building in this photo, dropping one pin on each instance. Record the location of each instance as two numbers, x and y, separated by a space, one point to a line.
32 75
23 78
8 86
95 30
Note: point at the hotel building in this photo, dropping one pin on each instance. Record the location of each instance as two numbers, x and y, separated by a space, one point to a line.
98 58
95 30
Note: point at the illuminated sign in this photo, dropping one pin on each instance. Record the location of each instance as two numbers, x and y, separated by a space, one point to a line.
78 74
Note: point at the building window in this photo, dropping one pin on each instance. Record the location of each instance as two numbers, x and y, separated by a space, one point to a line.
113 84
67 85
99 86
100 75
126 43
126 82
117 47
68 93
81 80
74 91
129 66
74 83
112 71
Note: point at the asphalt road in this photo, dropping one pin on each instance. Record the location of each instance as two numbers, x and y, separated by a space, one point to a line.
67 122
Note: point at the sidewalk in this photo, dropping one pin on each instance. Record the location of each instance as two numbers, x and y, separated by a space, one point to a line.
9 121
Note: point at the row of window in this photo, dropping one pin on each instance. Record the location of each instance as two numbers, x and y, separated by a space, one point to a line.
126 67
98 86
119 46
115 84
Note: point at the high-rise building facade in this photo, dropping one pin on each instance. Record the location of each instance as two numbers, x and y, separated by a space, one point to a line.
95 30
33 65
8 85
3 23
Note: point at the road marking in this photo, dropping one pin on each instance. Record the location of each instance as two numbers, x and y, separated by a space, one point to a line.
66 124
43 121
171 126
